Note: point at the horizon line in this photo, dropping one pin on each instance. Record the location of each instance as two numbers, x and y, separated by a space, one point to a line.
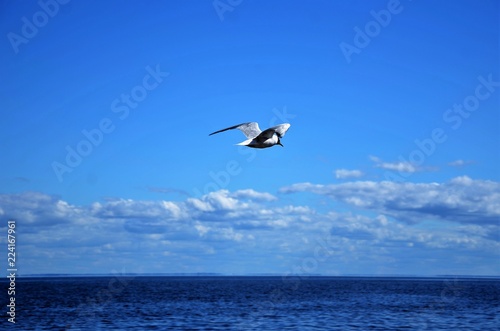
214 274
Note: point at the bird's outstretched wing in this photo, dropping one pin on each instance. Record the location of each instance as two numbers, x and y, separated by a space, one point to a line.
250 129
280 129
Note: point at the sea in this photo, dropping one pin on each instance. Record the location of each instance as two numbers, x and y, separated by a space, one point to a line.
292 302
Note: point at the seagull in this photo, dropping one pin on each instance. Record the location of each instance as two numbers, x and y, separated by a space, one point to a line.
257 138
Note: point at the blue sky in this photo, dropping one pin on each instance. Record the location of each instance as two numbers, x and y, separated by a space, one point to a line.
390 165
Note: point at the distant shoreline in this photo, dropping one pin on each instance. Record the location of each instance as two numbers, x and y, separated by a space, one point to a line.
217 275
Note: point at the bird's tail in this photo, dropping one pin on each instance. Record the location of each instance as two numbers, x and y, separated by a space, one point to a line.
246 142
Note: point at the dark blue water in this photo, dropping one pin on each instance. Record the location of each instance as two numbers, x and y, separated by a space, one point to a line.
254 303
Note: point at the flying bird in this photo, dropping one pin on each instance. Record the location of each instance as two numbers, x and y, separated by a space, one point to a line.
257 138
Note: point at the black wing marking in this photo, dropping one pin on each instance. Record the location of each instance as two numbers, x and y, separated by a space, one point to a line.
230 128
249 129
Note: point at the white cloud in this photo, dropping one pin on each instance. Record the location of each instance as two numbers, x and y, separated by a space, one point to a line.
253 195
461 200
345 173
459 163
401 166
218 200
128 208
200 205
35 207
202 229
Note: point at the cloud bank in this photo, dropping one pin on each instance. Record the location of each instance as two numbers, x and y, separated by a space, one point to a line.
394 228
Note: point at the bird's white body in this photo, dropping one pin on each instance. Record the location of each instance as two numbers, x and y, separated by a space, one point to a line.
273 140
258 138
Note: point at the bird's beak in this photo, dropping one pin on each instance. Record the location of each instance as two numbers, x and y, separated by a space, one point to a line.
281 144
